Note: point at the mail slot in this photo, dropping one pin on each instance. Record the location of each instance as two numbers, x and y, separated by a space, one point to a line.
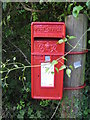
46 82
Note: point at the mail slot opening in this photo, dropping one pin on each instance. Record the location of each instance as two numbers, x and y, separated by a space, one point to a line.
46 38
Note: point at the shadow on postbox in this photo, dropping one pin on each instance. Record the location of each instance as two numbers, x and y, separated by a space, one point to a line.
46 82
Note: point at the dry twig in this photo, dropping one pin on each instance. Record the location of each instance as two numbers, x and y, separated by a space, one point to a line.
21 52
31 10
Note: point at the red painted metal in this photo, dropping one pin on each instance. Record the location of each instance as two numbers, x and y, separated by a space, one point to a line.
38 53
75 88
77 53
44 38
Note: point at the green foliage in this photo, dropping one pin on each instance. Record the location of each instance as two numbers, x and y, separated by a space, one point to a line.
89 29
88 41
69 7
26 1
54 62
88 4
17 101
64 58
62 40
68 72
62 67
76 10
8 18
71 67
21 105
44 103
21 114
56 69
66 39
35 17
70 37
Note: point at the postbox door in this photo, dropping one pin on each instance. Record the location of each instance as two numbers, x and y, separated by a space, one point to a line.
47 92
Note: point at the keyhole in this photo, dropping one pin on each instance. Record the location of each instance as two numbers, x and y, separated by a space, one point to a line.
38 75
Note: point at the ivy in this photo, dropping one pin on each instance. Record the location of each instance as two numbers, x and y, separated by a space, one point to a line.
70 37
68 72
16 21
54 62
76 10
62 67
88 41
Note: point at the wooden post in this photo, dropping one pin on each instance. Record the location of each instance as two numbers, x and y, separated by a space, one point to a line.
74 27
0 59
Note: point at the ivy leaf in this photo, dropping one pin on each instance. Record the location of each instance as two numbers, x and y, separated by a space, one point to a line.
70 37
70 66
8 18
89 42
64 58
62 15
56 69
54 62
76 10
52 72
62 67
27 89
19 77
68 72
88 4
88 29
26 1
60 41
69 7
65 39
21 11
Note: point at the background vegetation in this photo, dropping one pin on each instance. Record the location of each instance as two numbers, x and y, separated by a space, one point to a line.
17 101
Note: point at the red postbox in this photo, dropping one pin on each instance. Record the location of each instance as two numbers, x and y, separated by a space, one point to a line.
44 49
